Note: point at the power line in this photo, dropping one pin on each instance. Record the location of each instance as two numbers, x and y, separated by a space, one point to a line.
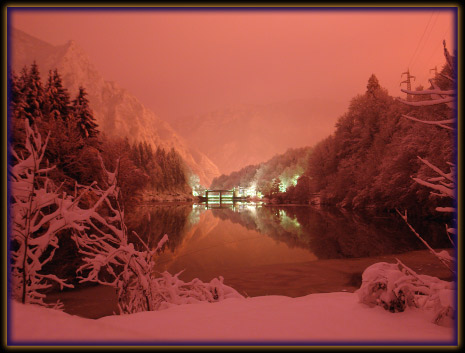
415 61
437 47
418 45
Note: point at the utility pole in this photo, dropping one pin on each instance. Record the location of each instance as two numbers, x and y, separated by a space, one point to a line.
407 81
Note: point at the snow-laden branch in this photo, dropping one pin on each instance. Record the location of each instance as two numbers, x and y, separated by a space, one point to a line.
110 259
440 123
446 262
429 91
426 103
396 287
448 176
444 191
446 209
37 216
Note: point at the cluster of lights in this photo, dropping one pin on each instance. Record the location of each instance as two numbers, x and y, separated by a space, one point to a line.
246 192
283 186
294 179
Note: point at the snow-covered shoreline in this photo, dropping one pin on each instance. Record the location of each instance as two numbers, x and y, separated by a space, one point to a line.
316 319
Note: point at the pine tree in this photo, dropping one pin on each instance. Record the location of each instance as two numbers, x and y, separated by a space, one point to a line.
34 95
373 85
84 116
58 100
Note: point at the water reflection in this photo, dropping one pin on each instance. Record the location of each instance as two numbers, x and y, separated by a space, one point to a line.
269 250
151 222
334 233
327 233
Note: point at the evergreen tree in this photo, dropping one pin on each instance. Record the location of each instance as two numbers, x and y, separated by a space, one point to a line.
373 85
17 97
34 95
84 116
58 100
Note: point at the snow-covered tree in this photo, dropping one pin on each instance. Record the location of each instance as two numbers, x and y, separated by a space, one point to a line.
443 183
111 259
39 213
396 287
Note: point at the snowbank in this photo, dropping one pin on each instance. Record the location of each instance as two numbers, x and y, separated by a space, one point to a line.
326 318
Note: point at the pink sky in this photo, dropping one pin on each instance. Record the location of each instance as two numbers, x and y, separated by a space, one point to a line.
187 62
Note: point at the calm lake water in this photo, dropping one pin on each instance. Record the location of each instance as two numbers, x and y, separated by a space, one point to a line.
269 250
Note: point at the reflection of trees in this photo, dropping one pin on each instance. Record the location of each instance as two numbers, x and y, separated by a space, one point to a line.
152 222
332 233
245 218
276 223
271 221
336 234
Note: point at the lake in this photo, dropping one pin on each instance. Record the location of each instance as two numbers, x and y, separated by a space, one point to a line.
270 250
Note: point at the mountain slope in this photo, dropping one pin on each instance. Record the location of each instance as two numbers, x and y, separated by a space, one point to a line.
117 112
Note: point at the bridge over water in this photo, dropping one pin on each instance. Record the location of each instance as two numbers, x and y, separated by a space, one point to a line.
221 195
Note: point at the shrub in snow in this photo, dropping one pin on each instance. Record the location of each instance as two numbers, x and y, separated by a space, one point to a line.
396 287
39 213
171 290
110 259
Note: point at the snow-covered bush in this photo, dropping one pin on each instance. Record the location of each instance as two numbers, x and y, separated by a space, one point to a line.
171 290
395 287
39 212
110 259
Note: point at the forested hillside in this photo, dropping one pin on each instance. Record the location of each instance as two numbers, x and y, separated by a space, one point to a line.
76 141
116 110
269 178
371 157
368 162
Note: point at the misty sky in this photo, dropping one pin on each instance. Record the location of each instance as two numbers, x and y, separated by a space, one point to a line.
189 62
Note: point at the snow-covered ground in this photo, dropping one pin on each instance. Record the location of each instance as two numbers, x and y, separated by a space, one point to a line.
324 318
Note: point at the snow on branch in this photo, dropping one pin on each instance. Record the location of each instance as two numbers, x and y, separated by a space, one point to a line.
395 287
447 262
428 102
110 259
446 209
173 291
38 215
450 92
443 190
437 183
440 123
448 176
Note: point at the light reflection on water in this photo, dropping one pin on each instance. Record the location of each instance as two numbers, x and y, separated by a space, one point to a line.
268 250
207 240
